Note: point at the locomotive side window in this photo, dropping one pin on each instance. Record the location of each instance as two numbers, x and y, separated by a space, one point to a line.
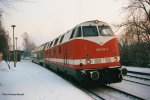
56 41
47 45
105 30
62 37
90 31
59 40
72 33
78 33
51 43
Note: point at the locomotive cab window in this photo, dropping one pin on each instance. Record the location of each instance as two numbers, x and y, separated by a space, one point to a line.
78 32
89 31
105 30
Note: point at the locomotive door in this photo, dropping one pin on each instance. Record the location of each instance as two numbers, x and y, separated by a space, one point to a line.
68 56
65 56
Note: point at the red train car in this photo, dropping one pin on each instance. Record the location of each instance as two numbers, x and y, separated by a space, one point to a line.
89 53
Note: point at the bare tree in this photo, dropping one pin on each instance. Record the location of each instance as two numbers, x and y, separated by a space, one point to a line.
7 4
4 43
135 40
28 44
4 4
138 16
137 22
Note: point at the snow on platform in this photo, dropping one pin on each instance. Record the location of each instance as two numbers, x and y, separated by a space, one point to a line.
138 69
29 81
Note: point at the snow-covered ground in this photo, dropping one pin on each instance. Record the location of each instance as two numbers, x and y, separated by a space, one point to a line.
139 90
138 69
29 81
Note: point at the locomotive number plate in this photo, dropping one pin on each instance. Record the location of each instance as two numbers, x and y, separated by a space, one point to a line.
101 49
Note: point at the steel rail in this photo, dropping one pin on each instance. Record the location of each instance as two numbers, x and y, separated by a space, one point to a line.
138 77
138 97
136 82
142 73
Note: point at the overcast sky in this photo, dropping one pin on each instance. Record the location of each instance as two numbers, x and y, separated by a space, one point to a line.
44 20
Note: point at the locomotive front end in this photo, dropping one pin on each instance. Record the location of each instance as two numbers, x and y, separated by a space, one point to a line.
99 55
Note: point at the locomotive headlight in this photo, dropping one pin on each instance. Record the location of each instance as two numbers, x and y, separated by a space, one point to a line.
96 21
115 59
88 61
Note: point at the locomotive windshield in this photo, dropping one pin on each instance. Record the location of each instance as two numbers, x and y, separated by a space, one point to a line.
89 31
105 30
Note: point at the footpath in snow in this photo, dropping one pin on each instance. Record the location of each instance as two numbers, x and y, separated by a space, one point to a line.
29 81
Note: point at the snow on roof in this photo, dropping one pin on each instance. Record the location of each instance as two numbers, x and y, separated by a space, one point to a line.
39 48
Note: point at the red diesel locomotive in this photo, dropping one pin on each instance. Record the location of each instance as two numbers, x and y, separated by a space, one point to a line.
89 53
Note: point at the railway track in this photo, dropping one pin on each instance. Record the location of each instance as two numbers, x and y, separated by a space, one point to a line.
110 92
141 73
139 77
142 83
126 94
143 76
116 93
139 90
142 79
107 93
95 96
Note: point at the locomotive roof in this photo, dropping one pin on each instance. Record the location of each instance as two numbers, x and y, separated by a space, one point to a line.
93 22
68 33
88 23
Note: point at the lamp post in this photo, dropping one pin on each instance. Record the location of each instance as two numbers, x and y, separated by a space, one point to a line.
16 50
13 26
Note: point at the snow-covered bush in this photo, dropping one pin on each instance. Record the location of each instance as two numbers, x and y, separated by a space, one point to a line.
3 66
